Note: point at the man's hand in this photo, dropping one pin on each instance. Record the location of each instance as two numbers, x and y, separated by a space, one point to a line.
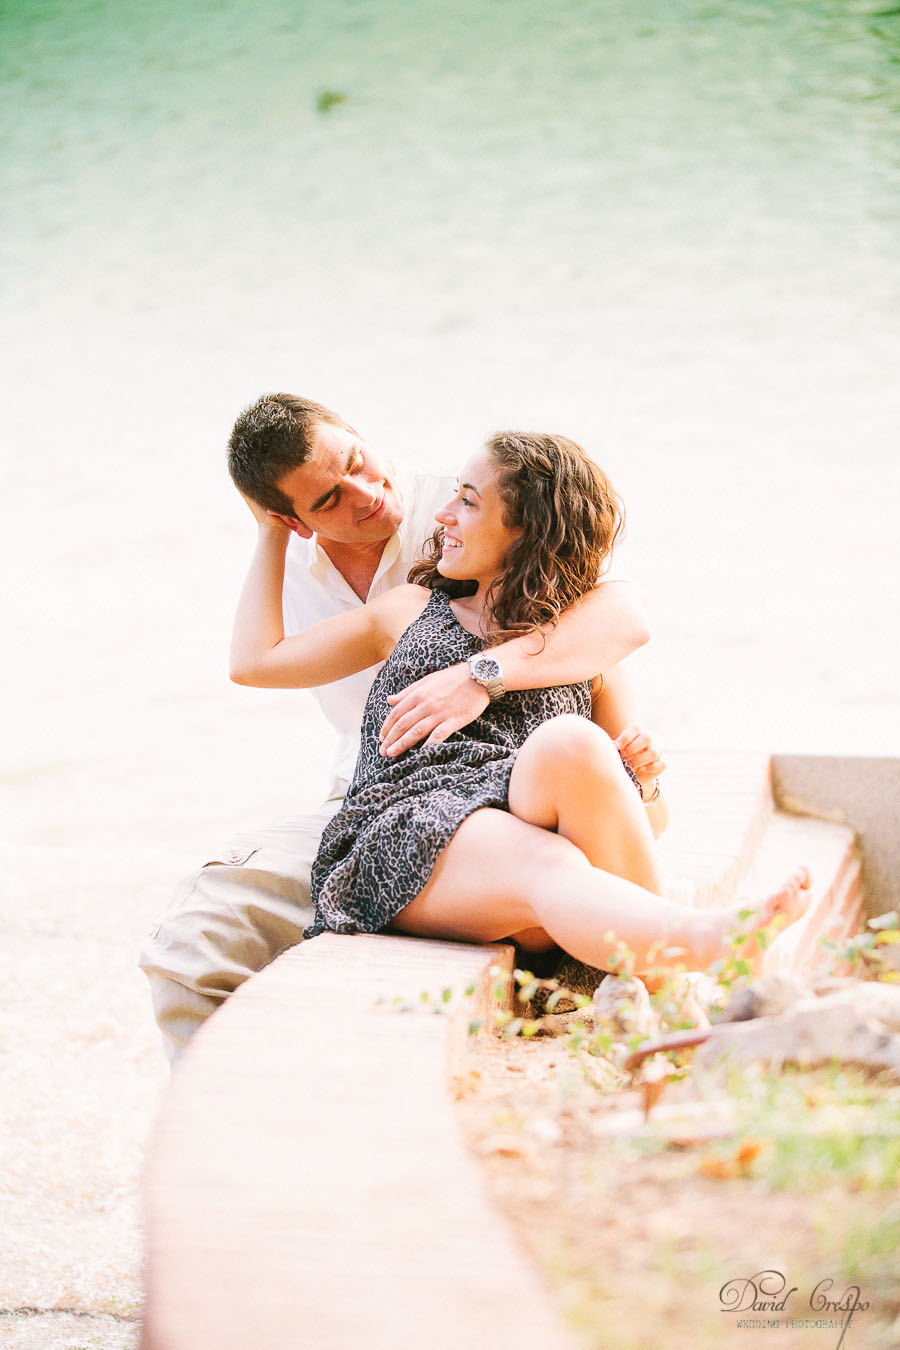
262 516
432 709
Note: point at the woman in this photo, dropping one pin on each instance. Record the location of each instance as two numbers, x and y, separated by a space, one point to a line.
525 824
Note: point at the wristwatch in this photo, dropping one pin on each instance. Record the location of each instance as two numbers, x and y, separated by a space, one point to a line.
485 670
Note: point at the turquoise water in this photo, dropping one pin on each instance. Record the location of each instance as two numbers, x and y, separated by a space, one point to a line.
667 228
570 196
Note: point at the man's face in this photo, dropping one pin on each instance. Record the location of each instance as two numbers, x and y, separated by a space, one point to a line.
343 492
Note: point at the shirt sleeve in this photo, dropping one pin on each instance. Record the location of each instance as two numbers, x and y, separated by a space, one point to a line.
296 568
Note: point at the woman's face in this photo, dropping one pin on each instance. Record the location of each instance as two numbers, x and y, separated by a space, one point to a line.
476 539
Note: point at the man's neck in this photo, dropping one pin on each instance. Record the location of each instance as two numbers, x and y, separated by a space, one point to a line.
357 563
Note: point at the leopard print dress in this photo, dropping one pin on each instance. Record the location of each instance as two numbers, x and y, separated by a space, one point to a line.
378 852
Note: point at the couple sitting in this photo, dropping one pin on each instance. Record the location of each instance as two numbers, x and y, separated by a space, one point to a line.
501 789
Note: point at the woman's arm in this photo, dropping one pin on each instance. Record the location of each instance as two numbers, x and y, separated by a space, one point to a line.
613 707
594 634
263 657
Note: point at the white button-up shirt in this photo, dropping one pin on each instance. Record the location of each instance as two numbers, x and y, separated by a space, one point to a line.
314 590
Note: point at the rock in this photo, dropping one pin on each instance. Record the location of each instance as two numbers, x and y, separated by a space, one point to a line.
809 1033
624 1005
561 1024
877 1001
774 993
768 996
684 1000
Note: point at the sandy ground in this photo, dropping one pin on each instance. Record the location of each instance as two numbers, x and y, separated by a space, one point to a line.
84 1074
637 1240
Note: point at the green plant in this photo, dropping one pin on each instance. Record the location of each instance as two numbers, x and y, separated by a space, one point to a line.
328 99
829 1124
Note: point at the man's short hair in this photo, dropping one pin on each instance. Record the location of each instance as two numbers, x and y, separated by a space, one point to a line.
271 437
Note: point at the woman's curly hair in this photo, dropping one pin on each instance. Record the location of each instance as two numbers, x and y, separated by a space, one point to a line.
569 516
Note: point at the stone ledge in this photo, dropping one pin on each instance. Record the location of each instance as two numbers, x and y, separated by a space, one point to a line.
308 1183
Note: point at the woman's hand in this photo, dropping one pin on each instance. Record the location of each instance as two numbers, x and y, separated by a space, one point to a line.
434 707
636 748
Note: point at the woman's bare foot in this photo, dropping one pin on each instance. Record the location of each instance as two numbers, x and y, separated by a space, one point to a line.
740 929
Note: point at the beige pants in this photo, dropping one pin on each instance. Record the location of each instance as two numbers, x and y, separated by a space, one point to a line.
230 919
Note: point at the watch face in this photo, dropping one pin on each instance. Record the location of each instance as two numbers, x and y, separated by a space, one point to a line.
486 668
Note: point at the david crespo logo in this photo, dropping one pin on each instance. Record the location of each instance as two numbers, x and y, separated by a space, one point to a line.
767 1292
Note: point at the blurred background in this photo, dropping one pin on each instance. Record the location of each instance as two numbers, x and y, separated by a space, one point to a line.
666 228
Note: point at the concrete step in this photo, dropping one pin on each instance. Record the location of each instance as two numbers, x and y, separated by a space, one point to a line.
835 911
308 1183
721 803
729 842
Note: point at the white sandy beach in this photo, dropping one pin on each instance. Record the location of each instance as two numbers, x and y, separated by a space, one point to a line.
673 237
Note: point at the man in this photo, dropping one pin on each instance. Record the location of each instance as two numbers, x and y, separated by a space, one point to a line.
357 529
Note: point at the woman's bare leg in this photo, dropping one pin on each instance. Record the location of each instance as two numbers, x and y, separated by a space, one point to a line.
568 777
500 875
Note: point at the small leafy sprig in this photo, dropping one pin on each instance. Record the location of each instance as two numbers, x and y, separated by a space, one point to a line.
877 949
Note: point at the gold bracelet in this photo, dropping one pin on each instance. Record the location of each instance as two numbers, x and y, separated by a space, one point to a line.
653 796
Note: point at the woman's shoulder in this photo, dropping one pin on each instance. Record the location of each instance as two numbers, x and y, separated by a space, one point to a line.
398 607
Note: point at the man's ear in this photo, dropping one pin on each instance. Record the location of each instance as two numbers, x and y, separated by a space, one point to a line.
293 524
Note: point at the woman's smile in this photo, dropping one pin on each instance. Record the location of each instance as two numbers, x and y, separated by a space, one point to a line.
474 524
